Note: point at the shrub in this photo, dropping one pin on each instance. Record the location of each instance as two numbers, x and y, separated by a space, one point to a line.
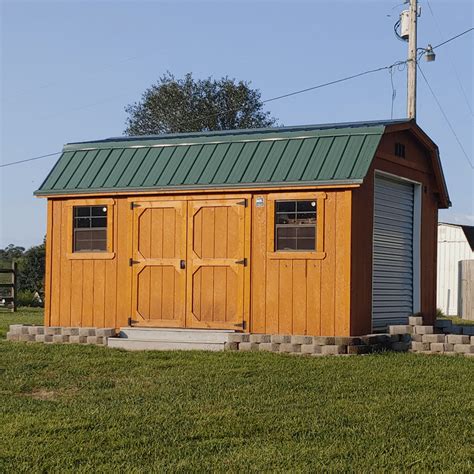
29 298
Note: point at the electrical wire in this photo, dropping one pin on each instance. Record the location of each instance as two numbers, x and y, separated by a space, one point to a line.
455 71
453 38
29 159
446 118
397 64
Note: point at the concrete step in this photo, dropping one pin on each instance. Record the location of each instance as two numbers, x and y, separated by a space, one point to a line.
130 344
207 336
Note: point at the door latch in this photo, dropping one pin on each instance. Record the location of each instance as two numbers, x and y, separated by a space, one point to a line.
182 264
242 262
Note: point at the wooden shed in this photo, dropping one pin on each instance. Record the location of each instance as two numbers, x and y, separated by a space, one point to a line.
316 230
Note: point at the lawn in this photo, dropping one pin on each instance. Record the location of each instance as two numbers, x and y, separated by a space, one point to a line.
83 408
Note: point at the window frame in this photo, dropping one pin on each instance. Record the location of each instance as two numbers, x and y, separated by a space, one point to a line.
318 253
97 255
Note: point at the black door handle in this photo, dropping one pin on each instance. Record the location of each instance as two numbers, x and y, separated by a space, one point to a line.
182 264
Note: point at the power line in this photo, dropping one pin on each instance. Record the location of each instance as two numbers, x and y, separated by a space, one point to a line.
319 86
29 159
455 71
453 38
446 117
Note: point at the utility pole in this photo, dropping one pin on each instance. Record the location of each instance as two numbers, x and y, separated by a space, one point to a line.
411 64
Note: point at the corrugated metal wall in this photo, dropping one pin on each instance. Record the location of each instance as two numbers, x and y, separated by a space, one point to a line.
452 248
393 253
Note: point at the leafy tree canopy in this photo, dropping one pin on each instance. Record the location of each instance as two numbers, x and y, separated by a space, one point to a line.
188 105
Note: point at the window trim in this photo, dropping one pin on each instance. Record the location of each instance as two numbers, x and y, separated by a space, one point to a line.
109 253
319 253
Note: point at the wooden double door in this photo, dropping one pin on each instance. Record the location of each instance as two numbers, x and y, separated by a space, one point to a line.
189 263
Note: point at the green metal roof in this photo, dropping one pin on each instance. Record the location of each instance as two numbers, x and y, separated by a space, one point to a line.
315 154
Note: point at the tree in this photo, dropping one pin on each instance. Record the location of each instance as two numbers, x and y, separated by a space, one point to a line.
30 264
188 105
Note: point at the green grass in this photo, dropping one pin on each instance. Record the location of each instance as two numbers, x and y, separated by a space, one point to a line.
458 320
22 316
83 408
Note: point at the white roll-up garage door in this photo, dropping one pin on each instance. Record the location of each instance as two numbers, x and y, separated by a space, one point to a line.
392 300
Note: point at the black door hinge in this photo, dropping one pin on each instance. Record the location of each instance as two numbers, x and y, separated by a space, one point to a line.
131 262
242 262
242 325
133 205
242 203
129 321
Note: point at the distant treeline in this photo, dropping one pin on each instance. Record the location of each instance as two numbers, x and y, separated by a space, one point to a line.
31 267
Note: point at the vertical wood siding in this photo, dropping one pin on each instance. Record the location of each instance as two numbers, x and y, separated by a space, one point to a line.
303 296
87 292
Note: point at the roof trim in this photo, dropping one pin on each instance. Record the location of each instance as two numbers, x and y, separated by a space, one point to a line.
233 186
247 131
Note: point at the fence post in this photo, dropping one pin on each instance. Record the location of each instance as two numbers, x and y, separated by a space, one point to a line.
14 273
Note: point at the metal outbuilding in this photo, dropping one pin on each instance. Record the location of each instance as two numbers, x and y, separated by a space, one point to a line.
317 230
455 244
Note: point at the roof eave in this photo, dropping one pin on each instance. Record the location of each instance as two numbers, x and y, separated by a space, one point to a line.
227 187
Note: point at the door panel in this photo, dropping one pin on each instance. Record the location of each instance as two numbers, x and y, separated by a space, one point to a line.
216 251
159 246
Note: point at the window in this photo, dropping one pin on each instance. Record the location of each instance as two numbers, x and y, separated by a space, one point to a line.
295 225
400 150
90 229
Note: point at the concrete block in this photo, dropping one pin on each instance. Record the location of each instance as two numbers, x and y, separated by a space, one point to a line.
289 347
443 323
415 321
472 339
25 329
248 346
13 336
468 330
52 330
371 339
333 349
416 337
441 347
27 337
60 339
105 332
433 338
457 339
238 337
310 349
400 329
86 331
323 340
302 339
469 354
70 331
281 339
347 341
423 329
15 329
401 346
44 338
260 338
231 346
77 339
420 346
269 347
95 340
358 349
461 348
35 330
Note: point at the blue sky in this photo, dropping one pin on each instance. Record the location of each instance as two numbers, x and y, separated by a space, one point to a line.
68 68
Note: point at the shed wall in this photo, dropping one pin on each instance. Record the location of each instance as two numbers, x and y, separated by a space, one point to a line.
415 166
289 295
